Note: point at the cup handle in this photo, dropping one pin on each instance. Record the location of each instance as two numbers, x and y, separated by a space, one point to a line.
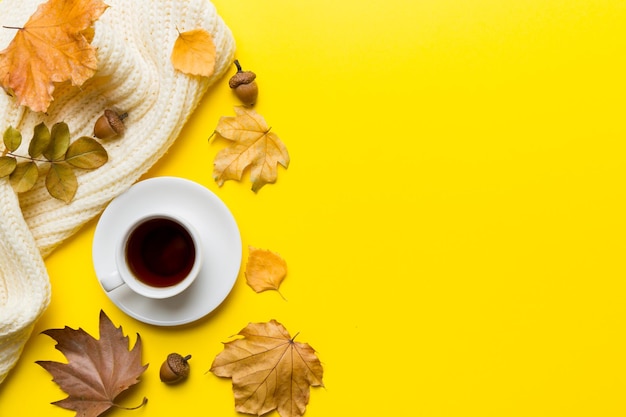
111 281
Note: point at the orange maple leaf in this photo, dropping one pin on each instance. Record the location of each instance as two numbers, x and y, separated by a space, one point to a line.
194 53
253 145
270 371
52 47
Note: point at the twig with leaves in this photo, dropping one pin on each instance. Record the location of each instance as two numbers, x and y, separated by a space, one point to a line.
52 147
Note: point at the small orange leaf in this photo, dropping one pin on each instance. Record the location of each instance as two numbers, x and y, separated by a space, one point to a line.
265 270
52 47
194 53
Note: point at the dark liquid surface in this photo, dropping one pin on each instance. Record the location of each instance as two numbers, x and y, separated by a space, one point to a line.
160 252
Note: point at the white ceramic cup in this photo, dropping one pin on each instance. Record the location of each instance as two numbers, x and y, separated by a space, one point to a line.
145 269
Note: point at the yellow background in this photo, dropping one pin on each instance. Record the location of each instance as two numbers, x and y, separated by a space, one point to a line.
453 218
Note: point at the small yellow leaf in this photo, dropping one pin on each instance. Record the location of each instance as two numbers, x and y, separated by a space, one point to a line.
86 153
40 141
7 165
59 142
265 270
24 177
12 138
194 53
61 181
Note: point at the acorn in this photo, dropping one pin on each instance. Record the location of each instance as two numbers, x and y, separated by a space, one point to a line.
244 86
174 369
109 125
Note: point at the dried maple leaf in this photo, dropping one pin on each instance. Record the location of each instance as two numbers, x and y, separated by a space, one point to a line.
52 47
194 53
270 371
253 145
265 270
97 370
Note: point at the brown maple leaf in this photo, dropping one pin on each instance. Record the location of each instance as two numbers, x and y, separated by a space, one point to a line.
194 53
265 270
270 371
52 47
253 145
97 370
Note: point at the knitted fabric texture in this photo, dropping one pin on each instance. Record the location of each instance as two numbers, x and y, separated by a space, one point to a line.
134 42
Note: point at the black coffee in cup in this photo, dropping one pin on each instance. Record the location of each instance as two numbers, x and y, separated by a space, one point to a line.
160 252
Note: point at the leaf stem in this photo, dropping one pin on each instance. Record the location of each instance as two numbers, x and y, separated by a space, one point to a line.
27 157
281 294
145 400
294 337
12 27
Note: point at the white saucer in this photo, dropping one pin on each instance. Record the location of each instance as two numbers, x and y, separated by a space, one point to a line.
221 243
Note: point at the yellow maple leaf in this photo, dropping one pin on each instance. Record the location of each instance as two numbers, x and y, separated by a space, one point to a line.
253 145
52 47
269 370
265 270
194 53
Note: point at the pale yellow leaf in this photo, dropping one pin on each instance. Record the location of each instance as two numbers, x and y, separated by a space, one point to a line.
265 270
194 53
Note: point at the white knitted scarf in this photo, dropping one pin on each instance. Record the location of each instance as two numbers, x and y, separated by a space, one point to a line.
134 40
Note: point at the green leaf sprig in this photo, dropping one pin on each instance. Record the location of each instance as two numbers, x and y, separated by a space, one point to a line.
50 146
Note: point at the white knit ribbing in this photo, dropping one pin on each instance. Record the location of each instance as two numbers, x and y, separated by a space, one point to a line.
135 75
24 284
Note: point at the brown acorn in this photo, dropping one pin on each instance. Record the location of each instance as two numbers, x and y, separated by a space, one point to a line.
109 125
244 86
174 369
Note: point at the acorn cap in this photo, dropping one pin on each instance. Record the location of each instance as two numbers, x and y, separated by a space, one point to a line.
241 77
